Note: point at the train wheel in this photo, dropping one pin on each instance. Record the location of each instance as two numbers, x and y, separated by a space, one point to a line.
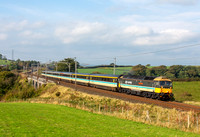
149 95
123 90
133 92
144 94
128 91
153 96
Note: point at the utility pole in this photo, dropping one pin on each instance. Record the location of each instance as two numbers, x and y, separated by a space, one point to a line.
56 66
12 55
37 68
69 66
75 72
114 65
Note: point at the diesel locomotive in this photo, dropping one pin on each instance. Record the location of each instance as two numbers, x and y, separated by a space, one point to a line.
150 87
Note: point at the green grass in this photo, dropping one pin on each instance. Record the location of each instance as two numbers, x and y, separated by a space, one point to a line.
25 119
184 91
4 62
106 70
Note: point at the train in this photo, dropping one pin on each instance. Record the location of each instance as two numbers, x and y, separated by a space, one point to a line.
150 87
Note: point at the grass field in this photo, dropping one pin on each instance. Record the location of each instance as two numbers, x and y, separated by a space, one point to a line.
184 91
106 70
4 62
26 119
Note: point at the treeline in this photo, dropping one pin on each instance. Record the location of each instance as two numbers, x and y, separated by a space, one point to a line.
175 72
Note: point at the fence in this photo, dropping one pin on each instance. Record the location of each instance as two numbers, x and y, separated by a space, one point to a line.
171 118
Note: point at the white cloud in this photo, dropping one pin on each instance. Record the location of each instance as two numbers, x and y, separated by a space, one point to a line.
13 26
137 31
3 36
179 2
38 24
32 35
83 30
170 36
129 1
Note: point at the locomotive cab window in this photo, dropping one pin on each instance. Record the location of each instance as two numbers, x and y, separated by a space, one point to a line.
164 84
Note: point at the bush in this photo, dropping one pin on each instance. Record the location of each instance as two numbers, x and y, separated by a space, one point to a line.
7 82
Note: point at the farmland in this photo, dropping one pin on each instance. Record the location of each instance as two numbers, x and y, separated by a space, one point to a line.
185 91
105 70
26 119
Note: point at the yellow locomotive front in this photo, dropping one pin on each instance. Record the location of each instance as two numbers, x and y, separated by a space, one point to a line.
163 87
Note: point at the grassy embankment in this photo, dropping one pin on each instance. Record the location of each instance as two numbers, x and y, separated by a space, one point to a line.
25 119
149 114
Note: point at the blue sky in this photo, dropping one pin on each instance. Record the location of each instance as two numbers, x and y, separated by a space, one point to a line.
97 31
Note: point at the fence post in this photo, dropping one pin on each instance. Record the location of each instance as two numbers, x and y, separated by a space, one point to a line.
197 123
147 116
99 107
179 119
157 118
122 110
168 118
188 121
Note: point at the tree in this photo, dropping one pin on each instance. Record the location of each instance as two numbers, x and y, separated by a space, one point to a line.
7 81
139 70
150 72
4 58
191 71
66 63
148 65
160 71
1 56
175 70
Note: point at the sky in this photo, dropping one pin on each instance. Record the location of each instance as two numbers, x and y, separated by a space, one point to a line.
97 31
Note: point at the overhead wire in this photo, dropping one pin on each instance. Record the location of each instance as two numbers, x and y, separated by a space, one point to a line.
144 53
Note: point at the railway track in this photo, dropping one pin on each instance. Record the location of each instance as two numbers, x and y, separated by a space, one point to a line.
130 98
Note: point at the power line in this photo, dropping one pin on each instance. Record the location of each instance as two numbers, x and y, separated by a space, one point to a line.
162 50
183 58
144 53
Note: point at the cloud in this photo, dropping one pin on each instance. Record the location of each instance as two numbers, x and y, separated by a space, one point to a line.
179 2
3 36
38 24
13 26
82 30
137 31
32 35
129 1
7 26
165 37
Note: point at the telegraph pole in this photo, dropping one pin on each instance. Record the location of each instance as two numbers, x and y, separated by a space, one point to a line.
114 65
75 72
56 66
37 68
12 55
69 66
